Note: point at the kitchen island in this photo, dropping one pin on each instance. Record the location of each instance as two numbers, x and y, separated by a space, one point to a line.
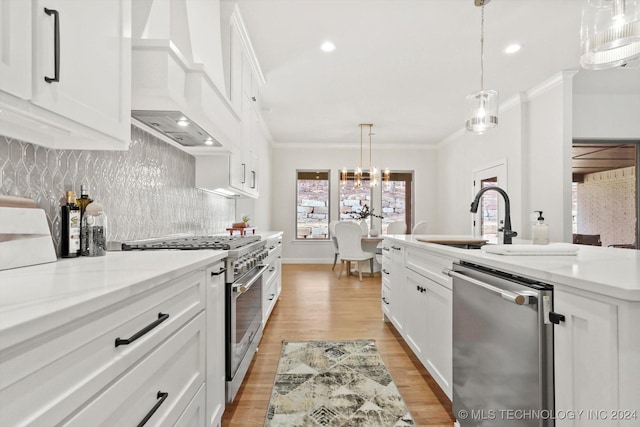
596 347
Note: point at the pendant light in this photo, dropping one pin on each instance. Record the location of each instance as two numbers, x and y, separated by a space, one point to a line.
357 175
374 174
481 108
609 33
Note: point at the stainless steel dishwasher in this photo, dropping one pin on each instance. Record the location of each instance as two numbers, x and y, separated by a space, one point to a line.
502 348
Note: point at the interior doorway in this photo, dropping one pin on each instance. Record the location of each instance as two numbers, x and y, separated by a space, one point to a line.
605 193
487 221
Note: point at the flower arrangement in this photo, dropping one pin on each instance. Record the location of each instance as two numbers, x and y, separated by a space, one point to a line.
364 213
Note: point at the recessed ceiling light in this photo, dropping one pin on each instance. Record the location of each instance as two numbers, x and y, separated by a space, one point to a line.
328 46
208 141
512 48
183 122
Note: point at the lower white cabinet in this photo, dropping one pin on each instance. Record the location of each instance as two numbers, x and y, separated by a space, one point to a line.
158 389
272 278
428 326
417 299
216 379
142 357
595 370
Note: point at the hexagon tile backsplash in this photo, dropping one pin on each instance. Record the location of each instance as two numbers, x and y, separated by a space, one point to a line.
147 191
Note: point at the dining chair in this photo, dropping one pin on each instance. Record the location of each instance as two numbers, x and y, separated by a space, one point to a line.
349 237
397 227
332 233
420 228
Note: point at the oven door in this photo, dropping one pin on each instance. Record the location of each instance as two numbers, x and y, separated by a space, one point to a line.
244 317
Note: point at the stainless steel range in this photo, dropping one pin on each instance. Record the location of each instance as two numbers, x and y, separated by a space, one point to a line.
243 293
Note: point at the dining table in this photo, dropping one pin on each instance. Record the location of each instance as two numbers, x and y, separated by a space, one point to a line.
369 244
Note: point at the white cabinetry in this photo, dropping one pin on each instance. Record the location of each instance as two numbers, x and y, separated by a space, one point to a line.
393 272
595 370
272 280
66 76
417 298
113 366
215 381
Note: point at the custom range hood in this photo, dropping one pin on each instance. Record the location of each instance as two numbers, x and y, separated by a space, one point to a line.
177 126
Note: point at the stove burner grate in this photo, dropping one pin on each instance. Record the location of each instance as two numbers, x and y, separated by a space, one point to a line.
192 243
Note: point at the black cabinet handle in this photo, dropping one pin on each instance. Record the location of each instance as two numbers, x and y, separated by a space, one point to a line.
141 332
385 271
244 173
253 179
219 272
272 297
56 45
397 248
385 248
161 398
272 269
556 317
385 300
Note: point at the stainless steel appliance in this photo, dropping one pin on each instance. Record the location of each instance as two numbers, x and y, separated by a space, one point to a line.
502 348
243 294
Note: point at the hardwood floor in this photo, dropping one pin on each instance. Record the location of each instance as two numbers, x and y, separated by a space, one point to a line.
315 305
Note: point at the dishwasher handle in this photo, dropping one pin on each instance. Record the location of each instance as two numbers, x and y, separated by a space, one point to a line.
516 298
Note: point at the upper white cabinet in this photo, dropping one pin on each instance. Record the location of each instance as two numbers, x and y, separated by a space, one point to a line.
66 72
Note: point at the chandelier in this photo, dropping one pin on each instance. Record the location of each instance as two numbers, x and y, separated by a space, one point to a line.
481 107
360 173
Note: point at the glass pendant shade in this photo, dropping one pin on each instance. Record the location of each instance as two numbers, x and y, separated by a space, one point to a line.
481 111
610 33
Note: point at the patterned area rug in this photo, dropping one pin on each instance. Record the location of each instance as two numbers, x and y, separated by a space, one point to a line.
334 383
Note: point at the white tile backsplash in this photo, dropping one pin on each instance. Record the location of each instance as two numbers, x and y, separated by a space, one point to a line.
147 191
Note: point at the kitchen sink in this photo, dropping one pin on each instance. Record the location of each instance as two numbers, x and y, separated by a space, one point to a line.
462 243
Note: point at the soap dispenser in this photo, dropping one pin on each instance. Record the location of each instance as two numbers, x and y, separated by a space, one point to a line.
540 231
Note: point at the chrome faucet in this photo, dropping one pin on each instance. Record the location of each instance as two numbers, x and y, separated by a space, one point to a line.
508 232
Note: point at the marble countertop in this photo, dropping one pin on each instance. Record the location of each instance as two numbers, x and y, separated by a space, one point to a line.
39 298
613 272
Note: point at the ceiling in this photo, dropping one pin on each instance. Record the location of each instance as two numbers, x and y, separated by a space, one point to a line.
594 156
403 65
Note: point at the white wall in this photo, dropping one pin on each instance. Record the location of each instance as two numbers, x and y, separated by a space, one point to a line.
286 159
610 116
534 137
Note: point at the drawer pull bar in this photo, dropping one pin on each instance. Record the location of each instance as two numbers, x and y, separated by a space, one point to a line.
219 272
141 332
56 45
161 398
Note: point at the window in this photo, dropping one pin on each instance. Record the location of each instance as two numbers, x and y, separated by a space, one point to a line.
353 199
312 194
391 199
396 200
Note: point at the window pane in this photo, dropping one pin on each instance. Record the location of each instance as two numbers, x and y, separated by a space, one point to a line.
396 200
312 205
394 195
489 210
354 199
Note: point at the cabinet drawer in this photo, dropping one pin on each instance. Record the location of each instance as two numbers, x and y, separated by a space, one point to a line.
270 295
429 265
195 414
45 379
176 368
271 271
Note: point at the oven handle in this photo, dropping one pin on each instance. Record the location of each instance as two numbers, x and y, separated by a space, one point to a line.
241 288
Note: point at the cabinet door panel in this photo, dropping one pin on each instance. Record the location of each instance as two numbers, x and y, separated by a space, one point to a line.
586 363
15 48
95 63
439 314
